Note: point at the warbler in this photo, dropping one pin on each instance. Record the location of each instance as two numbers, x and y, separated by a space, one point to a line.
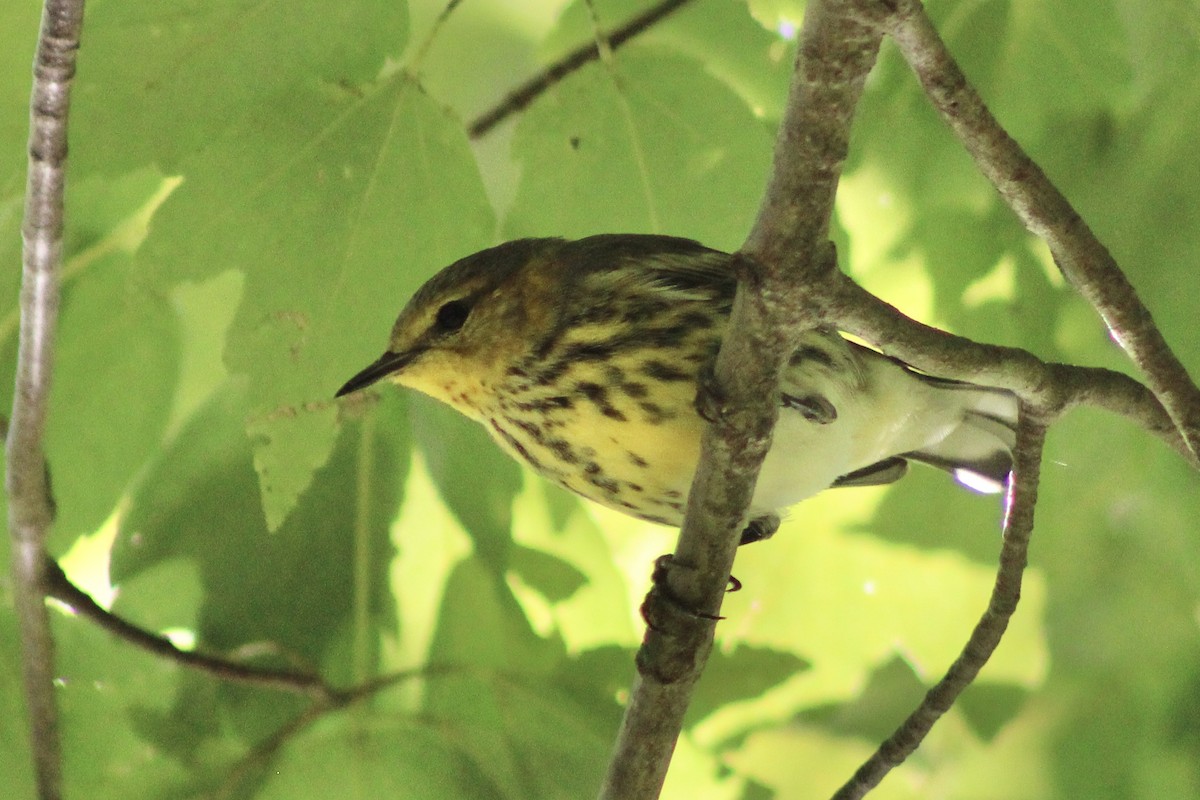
582 359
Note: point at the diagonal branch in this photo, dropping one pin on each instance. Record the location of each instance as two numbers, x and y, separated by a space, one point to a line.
30 510
519 99
1080 256
787 245
1006 592
59 586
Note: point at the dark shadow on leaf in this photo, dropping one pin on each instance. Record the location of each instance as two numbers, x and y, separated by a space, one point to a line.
746 673
553 578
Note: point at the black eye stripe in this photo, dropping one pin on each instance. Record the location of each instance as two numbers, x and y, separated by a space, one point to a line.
452 316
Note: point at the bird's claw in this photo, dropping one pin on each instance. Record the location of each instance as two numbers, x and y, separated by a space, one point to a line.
712 403
662 605
759 529
673 635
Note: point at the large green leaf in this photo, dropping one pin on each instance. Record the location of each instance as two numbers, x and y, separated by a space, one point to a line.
386 758
204 69
333 234
535 722
652 145
115 379
311 590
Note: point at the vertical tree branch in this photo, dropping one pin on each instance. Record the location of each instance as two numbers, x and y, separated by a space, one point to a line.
1081 257
787 245
1006 592
30 509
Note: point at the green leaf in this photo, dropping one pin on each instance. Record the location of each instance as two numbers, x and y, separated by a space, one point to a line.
335 233
481 624
115 372
654 145
847 602
165 596
325 154
16 761
18 37
778 14
723 37
890 694
199 485
387 758
294 589
475 479
100 679
536 722
1011 47
530 739
989 707
972 521
189 83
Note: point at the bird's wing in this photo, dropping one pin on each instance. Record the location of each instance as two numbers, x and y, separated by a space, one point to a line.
679 269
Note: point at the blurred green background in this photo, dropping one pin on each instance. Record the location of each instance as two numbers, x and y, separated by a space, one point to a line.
256 189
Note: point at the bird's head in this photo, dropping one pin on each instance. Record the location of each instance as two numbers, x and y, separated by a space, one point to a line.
465 326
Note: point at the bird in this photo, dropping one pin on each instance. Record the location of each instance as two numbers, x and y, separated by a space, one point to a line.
582 358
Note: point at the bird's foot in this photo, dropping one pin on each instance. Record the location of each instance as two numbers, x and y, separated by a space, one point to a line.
675 630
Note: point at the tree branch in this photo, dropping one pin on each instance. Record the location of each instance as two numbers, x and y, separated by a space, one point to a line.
787 249
1055 388
1006 592
787 245
30 509
1083 260
59 586
326 699
520 98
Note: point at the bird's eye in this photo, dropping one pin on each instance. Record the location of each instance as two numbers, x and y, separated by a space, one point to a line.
452 316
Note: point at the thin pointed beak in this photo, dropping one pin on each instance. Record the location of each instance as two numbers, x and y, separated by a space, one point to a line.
385 365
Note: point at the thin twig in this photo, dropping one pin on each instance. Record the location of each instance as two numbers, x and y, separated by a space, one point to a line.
1006 592
59 586
518 99
326 699
1081 257
261 754
414 65
30 509
787 244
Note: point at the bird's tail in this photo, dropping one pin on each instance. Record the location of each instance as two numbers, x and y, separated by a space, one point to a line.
978 452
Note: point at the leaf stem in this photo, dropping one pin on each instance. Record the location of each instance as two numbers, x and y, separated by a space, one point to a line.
414 65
